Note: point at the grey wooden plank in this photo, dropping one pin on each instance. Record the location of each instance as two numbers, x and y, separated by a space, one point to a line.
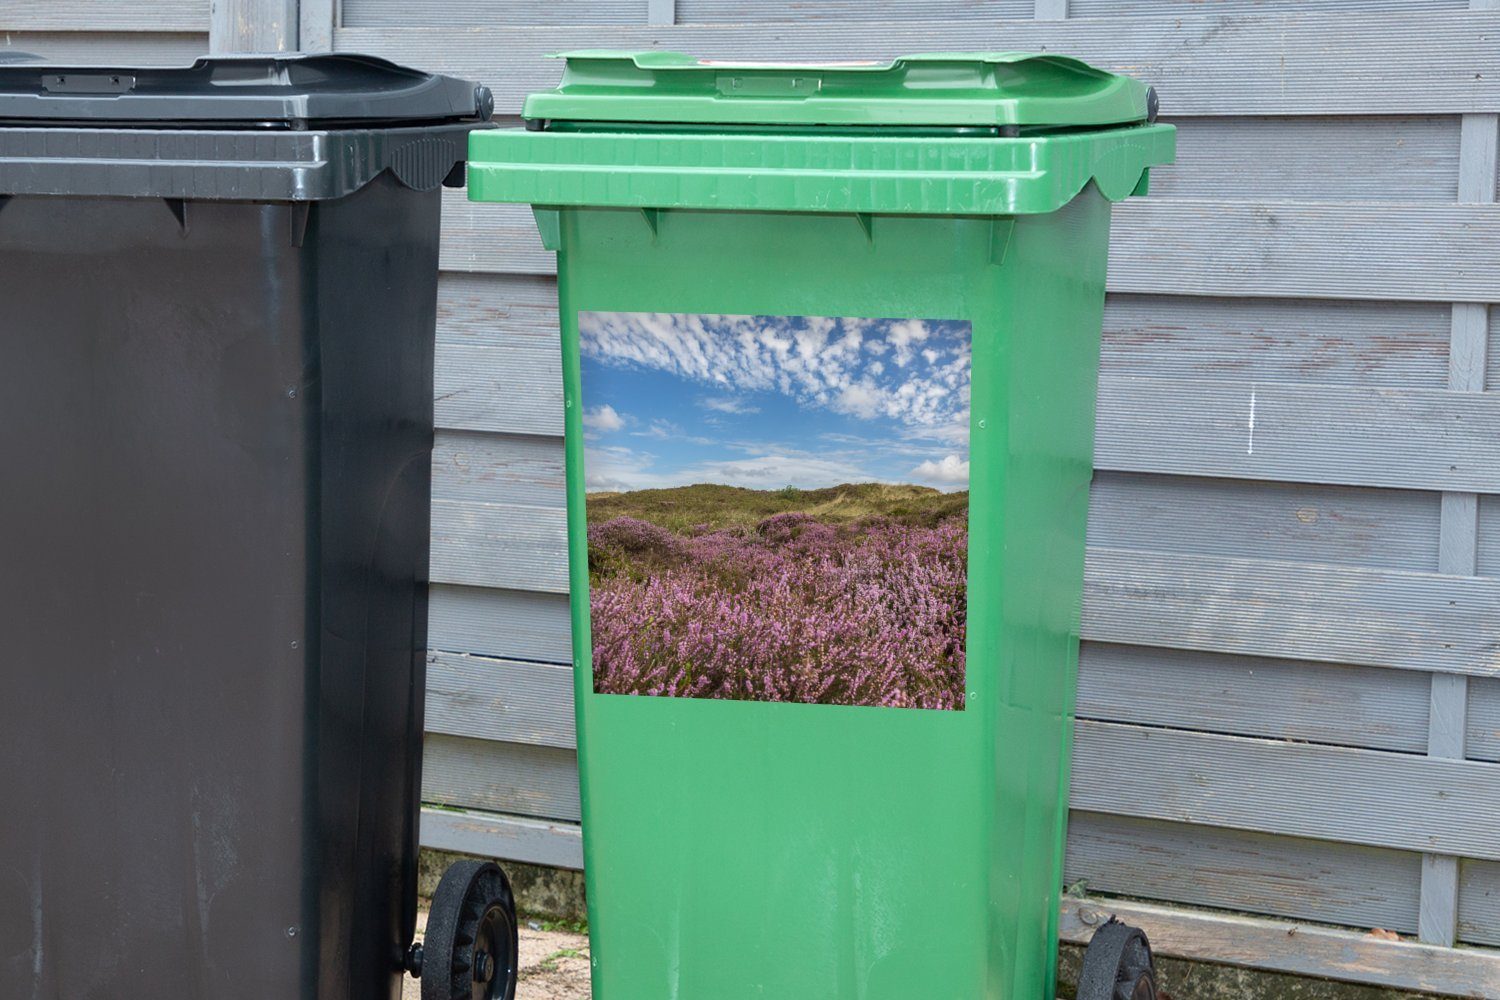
1356 250
316 21
509 838
661 12
1371 707
493 545
1182 246
1480 138
1383 63
1401 158
1479 903
1437 912
1050 10
1250 872
1369 797
1492 353
1388 344
1482 732
1354 435
509 13
1297 948
498 310
515 389
1257 607
515 624
1157 8
506 701
1338 525
1487 541
808 11
253 26
117 48
541 782
489 237
499 468
115 15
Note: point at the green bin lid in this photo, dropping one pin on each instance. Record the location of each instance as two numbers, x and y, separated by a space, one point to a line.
937 89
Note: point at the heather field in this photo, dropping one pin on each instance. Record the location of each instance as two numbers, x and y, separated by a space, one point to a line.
849 595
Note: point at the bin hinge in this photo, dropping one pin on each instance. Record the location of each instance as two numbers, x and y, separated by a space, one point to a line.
301 215
1000 233
178 208
653 221
549 224
867 223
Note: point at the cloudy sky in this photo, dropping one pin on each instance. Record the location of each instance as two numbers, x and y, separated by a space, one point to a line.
767 401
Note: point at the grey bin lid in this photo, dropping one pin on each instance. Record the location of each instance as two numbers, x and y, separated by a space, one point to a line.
254 128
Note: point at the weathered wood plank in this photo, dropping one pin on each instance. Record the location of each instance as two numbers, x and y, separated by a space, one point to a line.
1479 903
1250 872
1487 556
120 48
1482 733
1367 707
541 782
1182 246
253 26
1387 63
509 838
1403 438
500 310
146 16
1283 946
1320 341
514 13
492 545
1298 789
1412 621
760 11
1338 525
1401 158
499 468
508 701
1157 8
1257 607
515 624
516 389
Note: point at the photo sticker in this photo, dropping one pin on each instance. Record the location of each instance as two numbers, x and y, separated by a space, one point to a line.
777 507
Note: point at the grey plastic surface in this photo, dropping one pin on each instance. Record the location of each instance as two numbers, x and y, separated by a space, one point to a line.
290 91
257 128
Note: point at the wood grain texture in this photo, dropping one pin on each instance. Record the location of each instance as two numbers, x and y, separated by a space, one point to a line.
1182 246
116 48
536 781
253 26
1250 872
511 838
115 15
1254 696
1482 731
760 11
1368 797
1296 64
518 624
1479 903
1358 436
509 701
1286 946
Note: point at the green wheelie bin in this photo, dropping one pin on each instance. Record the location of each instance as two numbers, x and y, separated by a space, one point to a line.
830 340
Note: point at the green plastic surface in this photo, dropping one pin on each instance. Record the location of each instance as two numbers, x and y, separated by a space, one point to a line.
739 850
979 88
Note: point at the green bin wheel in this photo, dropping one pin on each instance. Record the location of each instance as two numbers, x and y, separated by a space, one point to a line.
1117 965
471 948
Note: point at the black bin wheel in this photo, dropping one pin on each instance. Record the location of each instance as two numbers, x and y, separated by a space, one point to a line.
471 946
1117 965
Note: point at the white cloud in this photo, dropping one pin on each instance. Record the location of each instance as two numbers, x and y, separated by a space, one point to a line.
603 419
727 404
913 372
948 470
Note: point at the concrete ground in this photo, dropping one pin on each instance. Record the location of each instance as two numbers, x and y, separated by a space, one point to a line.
554 965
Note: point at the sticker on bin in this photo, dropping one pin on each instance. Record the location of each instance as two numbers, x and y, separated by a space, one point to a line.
777 507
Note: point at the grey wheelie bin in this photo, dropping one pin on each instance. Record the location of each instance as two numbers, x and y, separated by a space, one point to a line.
217 306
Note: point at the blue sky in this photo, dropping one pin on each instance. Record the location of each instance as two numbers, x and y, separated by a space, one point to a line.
772 401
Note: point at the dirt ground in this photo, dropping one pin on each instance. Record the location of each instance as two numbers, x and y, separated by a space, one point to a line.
554 965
